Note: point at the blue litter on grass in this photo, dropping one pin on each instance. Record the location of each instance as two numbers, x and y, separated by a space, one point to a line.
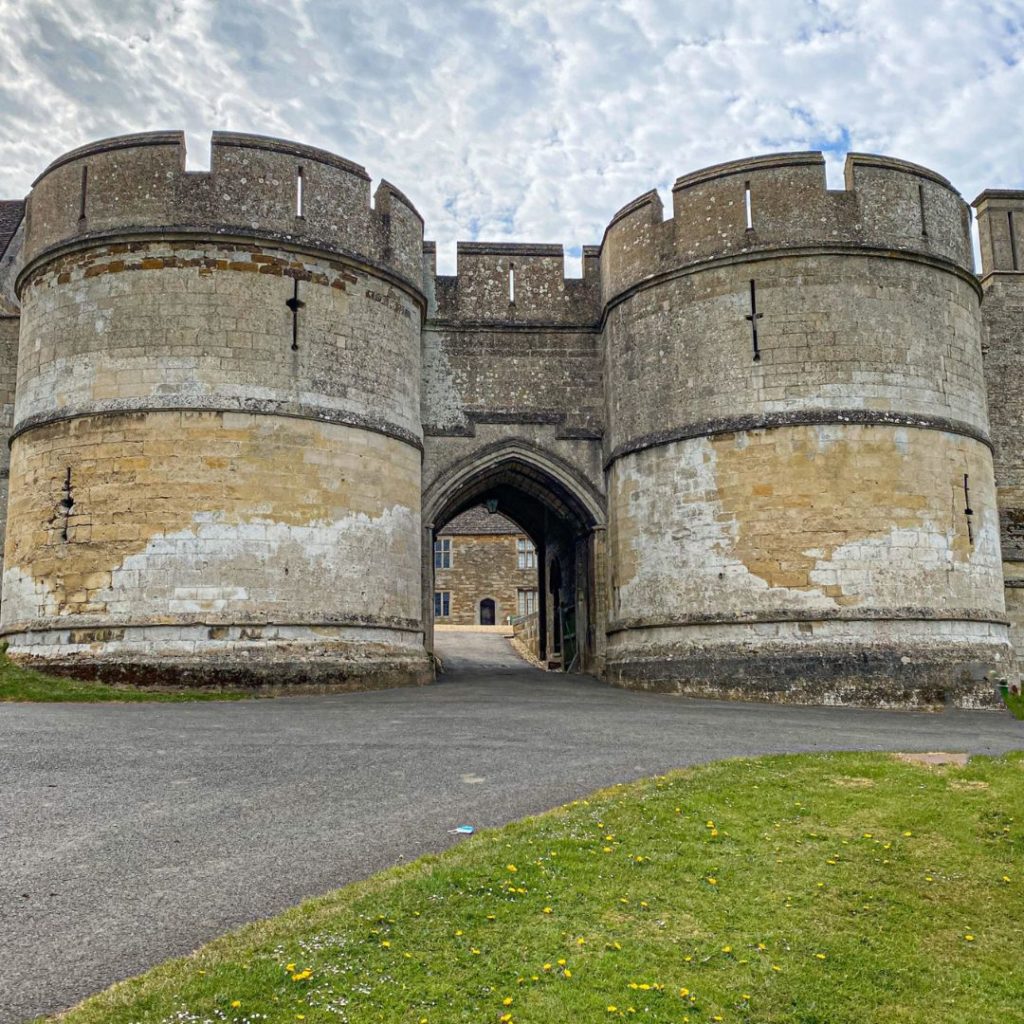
462 830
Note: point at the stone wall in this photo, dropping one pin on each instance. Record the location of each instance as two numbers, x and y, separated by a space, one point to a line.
8 373
526 365
217 419
796 425
1001 230
483 566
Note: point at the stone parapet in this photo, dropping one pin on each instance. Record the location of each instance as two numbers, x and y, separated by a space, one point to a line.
256 187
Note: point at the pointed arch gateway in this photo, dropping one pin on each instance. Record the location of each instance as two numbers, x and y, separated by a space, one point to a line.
562 513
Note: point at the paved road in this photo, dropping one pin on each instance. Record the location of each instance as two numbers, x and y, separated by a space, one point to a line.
131 833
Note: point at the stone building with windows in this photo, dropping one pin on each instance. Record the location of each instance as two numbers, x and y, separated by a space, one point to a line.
485 570
767 444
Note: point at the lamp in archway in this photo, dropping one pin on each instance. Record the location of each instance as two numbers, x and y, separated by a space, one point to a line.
491 504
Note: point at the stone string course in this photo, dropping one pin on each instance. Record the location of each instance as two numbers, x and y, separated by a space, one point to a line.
779 458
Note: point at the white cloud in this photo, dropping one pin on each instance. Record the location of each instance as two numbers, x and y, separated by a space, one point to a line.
525 120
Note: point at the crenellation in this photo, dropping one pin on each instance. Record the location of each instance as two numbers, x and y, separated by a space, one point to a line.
514 283
781 202
126 186
1001 231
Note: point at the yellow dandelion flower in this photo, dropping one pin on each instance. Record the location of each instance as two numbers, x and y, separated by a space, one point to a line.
546 967
745 996
908 833
819 956
727 949
761 946
548 910
712 881
385 944
302 975
606 849
968 938
474 951
236 1003
567 973
1006 878
507 1001
683 993
505 1018
512 868
561 963
580 941
613 1009
709 824
714 832
289 967
490 917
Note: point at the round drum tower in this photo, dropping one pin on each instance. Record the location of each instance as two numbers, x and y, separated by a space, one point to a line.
215 467
801 495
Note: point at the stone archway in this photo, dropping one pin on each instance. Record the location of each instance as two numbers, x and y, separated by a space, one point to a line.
563 515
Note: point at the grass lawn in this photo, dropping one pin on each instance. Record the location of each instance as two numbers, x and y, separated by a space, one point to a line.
23 684
1015 702
819 889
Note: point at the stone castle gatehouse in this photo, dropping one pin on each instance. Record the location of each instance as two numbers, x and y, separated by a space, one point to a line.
769 445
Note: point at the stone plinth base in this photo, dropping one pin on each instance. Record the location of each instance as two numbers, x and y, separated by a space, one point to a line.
885 673
278 657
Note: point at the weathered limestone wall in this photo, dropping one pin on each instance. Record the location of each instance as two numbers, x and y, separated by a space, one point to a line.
211 483
8 374
1001 230
11 234
200 324
511 347
788 516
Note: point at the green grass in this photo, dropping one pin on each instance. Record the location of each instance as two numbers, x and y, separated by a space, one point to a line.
1015 702
23 684
824 889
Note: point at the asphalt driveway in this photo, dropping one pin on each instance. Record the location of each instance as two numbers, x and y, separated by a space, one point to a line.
131 833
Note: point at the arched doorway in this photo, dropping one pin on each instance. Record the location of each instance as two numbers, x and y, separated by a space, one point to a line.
564 517
487 612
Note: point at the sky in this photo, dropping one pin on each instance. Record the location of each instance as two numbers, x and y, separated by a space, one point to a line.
525 120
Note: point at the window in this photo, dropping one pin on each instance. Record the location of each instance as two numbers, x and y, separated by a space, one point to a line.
443 554
527 602
526 553
442 604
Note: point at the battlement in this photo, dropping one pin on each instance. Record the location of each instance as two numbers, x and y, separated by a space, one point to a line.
508 282
1001 230
256 186
781 201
